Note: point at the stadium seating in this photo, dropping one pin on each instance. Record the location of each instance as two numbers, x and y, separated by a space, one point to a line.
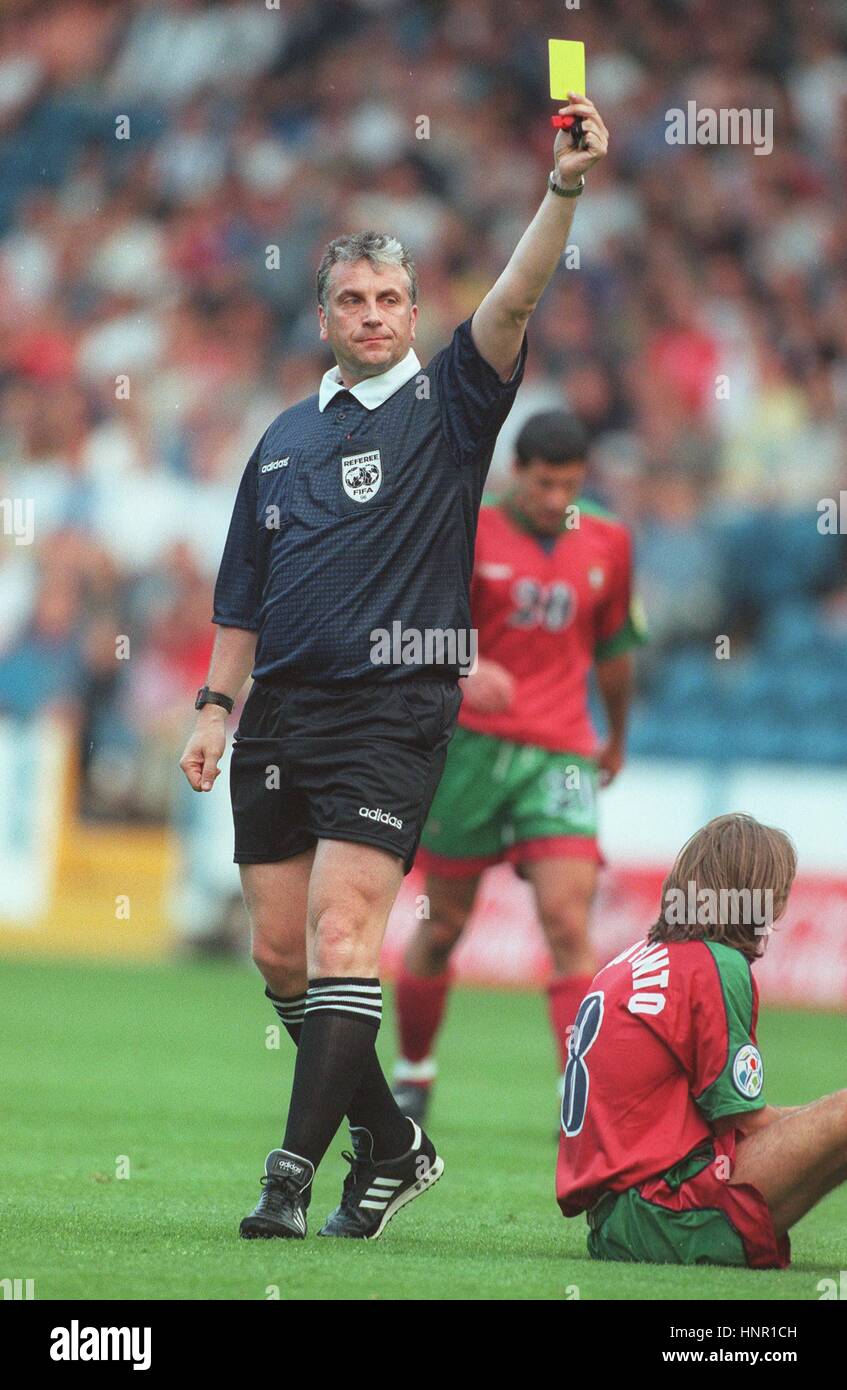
153 255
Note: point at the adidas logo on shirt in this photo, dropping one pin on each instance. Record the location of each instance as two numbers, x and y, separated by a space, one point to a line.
382 816
275 463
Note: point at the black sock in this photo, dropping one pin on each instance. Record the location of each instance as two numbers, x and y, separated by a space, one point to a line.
373 1107
290 1012
335 1054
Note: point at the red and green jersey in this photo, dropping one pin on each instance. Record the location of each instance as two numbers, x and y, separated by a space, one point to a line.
547 614
664 1046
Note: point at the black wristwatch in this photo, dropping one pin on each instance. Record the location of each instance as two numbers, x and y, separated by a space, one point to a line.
205 696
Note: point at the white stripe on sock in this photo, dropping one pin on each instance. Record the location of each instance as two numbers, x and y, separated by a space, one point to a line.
343 999
375 1014
348 985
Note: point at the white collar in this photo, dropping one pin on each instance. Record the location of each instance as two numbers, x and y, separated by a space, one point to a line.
373 390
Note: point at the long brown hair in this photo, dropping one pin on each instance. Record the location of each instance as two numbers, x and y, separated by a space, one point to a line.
730 856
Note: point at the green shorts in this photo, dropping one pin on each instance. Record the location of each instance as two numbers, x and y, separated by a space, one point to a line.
689 1216
509 801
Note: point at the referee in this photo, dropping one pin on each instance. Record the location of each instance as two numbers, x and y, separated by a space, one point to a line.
344 589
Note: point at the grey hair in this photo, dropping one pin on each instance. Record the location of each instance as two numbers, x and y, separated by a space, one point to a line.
376 247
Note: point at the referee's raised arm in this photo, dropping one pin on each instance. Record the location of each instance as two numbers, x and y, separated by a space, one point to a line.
499 322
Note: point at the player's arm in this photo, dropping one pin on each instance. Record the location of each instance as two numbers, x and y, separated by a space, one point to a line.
749 1121
724 1062
615 679
490 688
619 628
500 321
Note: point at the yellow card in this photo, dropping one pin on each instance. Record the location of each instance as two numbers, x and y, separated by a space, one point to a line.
567 68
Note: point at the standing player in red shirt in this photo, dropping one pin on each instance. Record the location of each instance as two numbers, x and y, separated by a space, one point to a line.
667 1143
550 599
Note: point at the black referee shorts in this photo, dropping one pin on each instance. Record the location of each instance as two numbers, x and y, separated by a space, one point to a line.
358 762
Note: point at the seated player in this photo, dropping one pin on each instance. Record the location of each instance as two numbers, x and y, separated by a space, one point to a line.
550 599
667 1143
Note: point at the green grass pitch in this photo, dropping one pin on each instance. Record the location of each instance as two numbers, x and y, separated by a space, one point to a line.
167 1067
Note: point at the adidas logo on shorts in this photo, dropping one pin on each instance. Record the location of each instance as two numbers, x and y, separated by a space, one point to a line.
380 815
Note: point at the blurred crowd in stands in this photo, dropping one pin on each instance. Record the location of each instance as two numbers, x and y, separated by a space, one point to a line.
154 155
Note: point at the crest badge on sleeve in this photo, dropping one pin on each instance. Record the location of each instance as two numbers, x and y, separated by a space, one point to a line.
361 475
747 1071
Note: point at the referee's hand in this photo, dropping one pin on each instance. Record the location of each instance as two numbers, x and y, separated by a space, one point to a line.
570 162
205 749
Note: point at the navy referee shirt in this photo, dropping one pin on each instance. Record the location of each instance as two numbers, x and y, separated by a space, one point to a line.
358 510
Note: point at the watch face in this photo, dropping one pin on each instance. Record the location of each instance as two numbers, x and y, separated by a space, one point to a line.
213 697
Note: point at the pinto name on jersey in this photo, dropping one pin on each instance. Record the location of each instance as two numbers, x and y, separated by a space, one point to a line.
650 976
651 972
